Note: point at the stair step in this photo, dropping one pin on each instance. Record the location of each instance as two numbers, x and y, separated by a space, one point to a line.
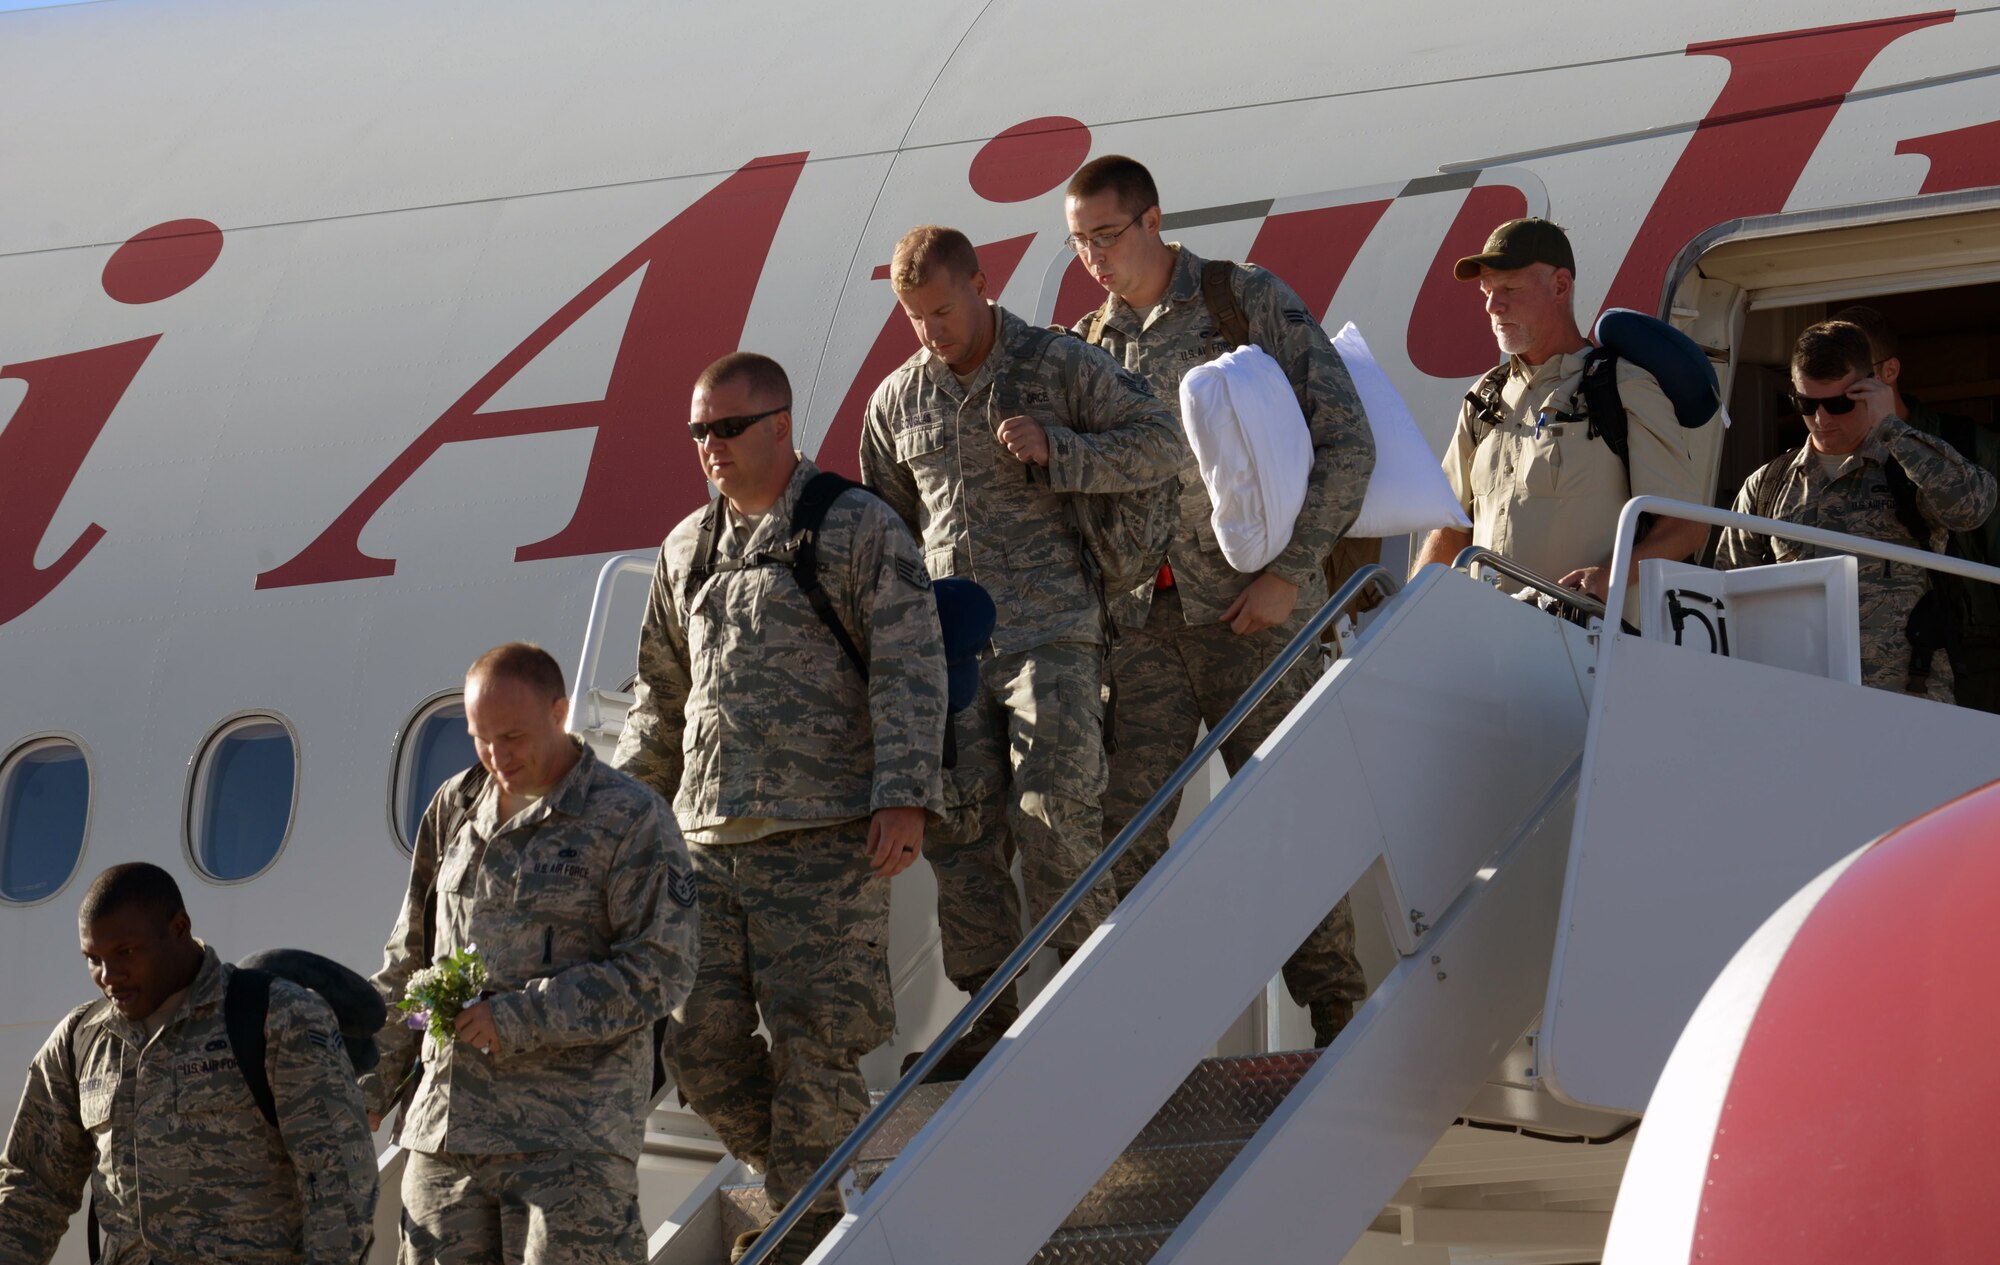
1153 1184
744 1207
1226 1098
1134 1244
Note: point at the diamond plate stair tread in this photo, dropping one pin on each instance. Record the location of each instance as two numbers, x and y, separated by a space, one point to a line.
1226 1098
1156 1184
1126 1245
744 1207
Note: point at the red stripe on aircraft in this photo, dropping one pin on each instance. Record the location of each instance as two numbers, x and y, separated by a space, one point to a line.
1312 250
1968 158
1449 336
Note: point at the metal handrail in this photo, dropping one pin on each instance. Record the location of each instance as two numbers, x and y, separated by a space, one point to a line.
1306 639
1628 526
593 632
1475 555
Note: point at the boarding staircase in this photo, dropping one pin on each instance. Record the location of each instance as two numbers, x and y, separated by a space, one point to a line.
1510 788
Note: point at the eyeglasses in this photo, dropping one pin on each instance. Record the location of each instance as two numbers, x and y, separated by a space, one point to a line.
1835 405
731 427
1102 241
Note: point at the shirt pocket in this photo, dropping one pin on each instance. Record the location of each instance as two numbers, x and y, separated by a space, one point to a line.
95 1098
457 872
210 1083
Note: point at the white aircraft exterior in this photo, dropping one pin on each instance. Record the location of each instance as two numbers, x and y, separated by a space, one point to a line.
340 341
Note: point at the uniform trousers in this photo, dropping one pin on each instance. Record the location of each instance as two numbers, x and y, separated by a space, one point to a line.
1030 753
796 927
536 1208
1169 678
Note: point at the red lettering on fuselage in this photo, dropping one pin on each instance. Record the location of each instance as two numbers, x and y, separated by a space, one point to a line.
1968 158
69 400
1747 154
1449 336
701 269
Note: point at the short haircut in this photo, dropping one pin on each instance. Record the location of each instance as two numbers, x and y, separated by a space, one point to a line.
1829 350
1880 336
765 376
930 249
1127 177
523 661
135 885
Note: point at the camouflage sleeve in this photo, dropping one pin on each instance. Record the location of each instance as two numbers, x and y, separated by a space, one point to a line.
1739 548
885 476
49 1154
887 598
650 748
325 1128
1951 491
1115 436
1343 446
650 966
403 956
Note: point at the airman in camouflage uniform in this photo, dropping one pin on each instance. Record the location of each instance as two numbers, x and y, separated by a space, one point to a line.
141 1098
571 882
1840 480
803 779
1192 642
978 441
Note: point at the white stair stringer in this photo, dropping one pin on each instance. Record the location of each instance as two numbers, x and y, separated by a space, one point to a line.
1416 760
1334 1153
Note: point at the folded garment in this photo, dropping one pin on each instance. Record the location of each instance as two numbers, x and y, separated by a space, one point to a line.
1251 442
1408 491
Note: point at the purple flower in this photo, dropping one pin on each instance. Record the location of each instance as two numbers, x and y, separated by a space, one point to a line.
417 1019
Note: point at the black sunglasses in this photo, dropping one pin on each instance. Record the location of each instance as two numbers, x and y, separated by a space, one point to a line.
1835 405
731 427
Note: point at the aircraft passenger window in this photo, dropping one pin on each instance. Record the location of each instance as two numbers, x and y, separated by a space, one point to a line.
434 747
243 795
44 809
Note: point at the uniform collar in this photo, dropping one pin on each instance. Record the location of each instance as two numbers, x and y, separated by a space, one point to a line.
204 994
567 796
1183 286
1556 367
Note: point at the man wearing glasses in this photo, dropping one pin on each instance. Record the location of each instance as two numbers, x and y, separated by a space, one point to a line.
1865 471
979 441
802 778
1191 641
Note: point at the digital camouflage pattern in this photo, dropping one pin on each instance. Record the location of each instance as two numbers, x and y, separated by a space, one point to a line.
1172 677
1031 762
582 909
746 707
1162 344
544 1208
795 926
183 1167
928 446
1952 494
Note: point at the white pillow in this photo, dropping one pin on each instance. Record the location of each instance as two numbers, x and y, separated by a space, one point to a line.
1408 491
1251 442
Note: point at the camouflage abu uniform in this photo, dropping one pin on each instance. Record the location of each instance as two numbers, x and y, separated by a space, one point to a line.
581 908
1175 666
1854 497
778 752
183 1167
1030 748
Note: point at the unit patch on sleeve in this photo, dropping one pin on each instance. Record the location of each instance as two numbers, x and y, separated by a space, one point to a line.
680 887
913 573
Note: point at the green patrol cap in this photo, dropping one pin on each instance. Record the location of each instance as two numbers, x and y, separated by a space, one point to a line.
1516 244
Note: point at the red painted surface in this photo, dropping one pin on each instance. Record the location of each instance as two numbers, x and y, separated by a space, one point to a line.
1029 159
1076 294
701 270
1312 250
1746 155
1858 1121
162 261
42 447
1450 336
840 450
1968 158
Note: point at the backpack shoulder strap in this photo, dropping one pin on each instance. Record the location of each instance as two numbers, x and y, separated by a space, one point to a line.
1221 301
1602 405
815 499
93 1236
703 565
1766 499
1093 324
1488 409
469 792
244 1005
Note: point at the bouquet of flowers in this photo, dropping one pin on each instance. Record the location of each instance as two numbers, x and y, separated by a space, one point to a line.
437 993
